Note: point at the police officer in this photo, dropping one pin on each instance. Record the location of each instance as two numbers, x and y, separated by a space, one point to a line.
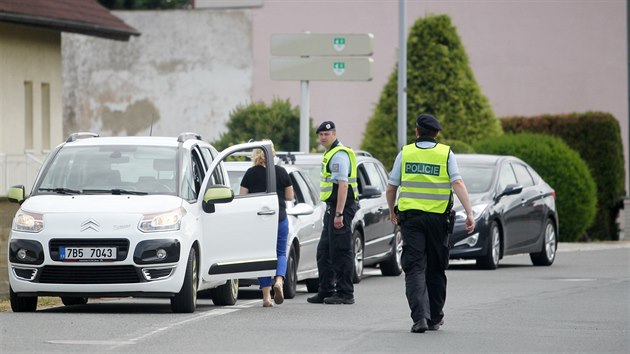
425 172
338 188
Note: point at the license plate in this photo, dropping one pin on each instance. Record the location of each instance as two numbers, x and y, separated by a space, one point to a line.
97 254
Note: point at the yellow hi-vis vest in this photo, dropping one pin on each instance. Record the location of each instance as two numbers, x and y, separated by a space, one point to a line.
326 183
425 183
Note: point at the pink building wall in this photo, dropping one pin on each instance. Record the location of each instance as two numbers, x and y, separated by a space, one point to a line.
529 57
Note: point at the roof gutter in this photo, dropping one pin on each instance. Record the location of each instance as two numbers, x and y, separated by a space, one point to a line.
68 26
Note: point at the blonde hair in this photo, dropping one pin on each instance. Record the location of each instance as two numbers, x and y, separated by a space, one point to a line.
258 155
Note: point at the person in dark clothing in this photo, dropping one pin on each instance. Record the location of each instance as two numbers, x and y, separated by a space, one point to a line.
255 181
338 188
426 171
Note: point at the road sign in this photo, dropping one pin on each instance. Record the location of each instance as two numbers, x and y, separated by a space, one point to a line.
322 68
322 44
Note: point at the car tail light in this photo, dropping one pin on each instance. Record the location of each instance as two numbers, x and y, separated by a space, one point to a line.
553 194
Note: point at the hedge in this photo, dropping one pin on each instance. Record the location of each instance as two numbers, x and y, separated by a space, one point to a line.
596 137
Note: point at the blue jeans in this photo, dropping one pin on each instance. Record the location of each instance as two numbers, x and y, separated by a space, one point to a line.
281 253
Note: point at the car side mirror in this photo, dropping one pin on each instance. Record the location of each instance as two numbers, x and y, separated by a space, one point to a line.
301 209
370 192
510 189
16 194
216 194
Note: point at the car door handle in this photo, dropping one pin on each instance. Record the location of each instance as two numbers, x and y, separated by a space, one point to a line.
380 209
266 212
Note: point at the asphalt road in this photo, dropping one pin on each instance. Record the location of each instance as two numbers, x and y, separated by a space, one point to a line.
579 304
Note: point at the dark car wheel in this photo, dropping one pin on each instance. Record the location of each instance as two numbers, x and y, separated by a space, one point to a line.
22 303
226 294
290 279
312 285
357 246
548 253
393 266
493 254
186 300
71 300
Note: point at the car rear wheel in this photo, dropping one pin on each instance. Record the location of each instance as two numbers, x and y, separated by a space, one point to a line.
312 285
186 300
22 303
73 300
393 266
493 254
548 253
357 246
226 294
290 279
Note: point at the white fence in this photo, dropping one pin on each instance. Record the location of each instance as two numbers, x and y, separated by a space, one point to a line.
19 169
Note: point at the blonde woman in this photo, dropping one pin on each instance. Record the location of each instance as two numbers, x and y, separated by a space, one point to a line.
255 181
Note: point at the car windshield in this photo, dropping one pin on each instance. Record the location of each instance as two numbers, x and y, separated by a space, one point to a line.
314 173
477 178
111 170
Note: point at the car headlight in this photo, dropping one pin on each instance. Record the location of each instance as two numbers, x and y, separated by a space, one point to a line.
477 210
169 221
28 222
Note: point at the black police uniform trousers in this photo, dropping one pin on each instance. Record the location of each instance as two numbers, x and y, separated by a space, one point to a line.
424 260
335 259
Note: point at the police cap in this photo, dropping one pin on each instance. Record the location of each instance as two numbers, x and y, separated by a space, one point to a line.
428 121
326 126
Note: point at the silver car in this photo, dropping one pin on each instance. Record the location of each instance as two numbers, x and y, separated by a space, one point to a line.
305 228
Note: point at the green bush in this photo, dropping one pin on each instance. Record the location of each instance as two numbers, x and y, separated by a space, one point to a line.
278 122
596 136
562 168
439 82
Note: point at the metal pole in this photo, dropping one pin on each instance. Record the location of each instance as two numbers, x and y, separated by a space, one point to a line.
304 117
402 73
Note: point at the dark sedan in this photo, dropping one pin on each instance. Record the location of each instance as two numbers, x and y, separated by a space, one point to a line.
514 208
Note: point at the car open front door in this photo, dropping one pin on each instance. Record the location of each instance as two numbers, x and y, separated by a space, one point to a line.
239 235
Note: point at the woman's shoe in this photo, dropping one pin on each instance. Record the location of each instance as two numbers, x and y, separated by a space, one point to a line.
278 295
267 303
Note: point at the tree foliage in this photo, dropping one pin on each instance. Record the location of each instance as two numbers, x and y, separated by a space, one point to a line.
439 82
278 122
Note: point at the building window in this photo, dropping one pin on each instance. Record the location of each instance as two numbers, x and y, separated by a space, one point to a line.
28 115
45 116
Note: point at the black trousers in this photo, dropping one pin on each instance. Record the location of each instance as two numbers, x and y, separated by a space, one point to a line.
424 261
335 259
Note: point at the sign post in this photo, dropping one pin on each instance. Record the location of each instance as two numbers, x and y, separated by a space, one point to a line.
308 57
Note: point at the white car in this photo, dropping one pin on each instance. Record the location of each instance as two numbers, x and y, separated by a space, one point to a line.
305 216
138 216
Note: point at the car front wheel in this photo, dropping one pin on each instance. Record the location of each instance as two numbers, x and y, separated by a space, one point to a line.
357 246
290 279
22 303
393 266
548 253
186 300
493 254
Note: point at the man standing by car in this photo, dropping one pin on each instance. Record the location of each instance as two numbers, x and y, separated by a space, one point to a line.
426 171
338 188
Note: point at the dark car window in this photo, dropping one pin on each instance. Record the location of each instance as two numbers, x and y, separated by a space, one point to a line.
374 179
522 176
302 193
476 177
506 176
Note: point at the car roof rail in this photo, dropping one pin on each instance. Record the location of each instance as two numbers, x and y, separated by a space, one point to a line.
188 135
288 157
362 153
80 135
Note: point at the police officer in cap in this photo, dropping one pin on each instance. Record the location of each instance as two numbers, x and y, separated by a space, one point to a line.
338 188
426 171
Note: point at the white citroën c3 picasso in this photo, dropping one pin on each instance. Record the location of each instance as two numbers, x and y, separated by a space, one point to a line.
141 217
